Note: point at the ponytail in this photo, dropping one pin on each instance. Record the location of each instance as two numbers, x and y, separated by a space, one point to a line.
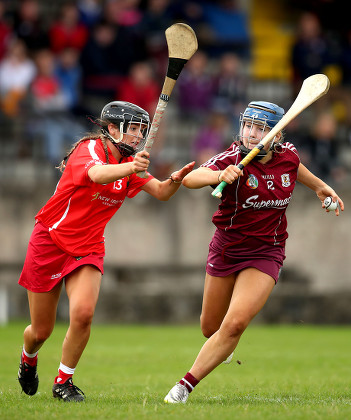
91 136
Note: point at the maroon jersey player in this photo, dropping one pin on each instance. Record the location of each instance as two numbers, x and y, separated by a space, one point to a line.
67 243
247 250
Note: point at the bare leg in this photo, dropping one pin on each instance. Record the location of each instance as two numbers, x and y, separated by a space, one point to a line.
215 303
42 307
82 287
251 291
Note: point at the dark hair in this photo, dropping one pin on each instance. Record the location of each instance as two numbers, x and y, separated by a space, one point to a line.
88 136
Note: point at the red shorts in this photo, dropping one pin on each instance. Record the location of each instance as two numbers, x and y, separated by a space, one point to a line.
46 264
231 252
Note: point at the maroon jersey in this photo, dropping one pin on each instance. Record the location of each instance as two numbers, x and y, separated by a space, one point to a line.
255 204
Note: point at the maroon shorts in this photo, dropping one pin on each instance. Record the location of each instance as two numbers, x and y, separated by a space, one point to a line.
232 252
46 264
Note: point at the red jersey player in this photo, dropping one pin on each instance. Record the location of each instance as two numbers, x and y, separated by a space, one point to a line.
67 242
247 250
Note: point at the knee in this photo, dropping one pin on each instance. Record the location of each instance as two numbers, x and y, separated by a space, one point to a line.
82 316
208 327
41 334
234 328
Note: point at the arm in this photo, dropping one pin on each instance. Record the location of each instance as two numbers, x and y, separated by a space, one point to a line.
322 189
104 174
202 177
163 190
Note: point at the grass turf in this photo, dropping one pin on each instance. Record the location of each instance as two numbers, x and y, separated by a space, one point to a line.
285 372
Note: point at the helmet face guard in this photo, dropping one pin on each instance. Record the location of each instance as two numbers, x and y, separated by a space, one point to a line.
124 115
262 114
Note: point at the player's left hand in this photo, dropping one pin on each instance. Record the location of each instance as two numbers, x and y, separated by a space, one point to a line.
327 191
178 176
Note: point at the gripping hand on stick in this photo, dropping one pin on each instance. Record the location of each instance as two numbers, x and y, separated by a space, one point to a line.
141 161
230 174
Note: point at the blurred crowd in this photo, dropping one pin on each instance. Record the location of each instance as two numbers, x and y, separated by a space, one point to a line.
60 62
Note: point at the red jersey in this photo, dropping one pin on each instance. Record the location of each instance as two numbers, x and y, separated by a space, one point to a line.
79 210
61 37
255 204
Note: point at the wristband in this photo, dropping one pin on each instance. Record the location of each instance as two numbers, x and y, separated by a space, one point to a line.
172 180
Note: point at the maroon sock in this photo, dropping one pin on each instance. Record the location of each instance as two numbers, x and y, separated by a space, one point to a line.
32 361
189 381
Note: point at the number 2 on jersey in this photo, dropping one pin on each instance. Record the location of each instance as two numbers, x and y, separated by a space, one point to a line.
270 185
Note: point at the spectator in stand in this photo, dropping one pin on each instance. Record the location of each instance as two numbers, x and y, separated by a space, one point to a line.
323 144
346 60
68 31
230 87
310 53
227 28
17 71
127 14
214 135
69 75
140 87
157 18
106 57
123 12
90 11
5 30
28 25
345 64
189 11
195 88
298 130
51 118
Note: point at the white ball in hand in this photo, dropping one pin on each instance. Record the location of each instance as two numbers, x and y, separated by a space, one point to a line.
330 205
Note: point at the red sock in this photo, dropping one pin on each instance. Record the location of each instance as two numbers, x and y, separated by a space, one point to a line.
62 377
32 361
189 381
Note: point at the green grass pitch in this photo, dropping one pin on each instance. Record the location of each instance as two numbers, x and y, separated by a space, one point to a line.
286 372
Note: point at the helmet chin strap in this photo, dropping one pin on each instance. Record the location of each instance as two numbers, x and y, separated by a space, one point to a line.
124 149
245 150
262 153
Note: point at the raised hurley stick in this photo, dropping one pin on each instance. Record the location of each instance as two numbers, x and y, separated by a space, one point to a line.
312 89
182 44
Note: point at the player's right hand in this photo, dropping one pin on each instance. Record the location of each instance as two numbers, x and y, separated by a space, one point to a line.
230 174
141 162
